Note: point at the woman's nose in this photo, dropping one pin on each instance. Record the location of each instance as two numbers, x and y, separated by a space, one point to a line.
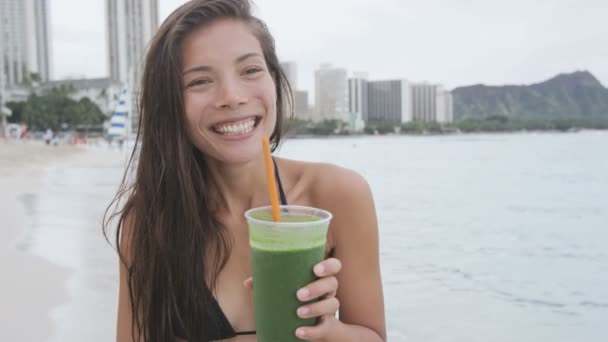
230 95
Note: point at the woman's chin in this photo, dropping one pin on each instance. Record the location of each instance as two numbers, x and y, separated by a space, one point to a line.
241 156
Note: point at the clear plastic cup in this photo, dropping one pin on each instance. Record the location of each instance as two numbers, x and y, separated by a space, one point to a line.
283 256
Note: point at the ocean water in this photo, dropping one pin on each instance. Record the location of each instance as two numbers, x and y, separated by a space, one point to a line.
483 237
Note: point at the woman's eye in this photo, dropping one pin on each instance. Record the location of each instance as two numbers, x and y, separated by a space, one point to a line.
199 82
251 71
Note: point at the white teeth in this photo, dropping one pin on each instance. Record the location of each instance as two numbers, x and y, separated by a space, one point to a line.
235 129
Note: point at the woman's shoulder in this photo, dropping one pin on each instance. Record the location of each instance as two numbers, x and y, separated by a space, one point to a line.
341 191
327 183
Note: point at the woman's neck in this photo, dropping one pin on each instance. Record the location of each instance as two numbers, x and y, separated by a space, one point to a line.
238 187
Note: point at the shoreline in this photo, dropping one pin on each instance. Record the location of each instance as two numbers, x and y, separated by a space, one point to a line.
33 286
293 136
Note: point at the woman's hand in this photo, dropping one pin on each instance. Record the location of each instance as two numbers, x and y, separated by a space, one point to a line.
325 290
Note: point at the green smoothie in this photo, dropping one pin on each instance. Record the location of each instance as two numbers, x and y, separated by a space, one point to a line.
283 256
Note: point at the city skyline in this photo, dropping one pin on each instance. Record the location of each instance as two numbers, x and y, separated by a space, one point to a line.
438 41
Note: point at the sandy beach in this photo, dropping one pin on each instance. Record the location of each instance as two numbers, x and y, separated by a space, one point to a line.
31 286
60 274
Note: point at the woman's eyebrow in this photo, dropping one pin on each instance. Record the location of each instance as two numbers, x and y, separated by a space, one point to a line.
208 68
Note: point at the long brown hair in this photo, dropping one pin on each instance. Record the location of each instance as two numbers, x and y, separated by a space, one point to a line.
169 206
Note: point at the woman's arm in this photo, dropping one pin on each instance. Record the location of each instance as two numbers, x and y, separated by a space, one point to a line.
124 319
354 229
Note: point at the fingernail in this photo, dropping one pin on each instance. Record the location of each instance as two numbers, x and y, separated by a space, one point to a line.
319 269
303 293
303 311
301 333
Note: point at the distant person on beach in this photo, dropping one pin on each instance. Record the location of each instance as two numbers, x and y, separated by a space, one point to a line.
48 136
23 135
212 88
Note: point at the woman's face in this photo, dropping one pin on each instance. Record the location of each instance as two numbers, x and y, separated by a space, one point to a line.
229 93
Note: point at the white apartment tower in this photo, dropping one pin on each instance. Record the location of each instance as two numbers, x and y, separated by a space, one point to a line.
130 26
445 106
432 103
357 96
24 45
291 71
38 28
424 102
331 93
449 102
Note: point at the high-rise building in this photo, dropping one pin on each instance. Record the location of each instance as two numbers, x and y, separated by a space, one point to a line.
130 26
3 72
291 71
444 106
12 28
38 30
357 97
424 100
3 99
331 93
301 107
389 101
432 103
24 27
449 100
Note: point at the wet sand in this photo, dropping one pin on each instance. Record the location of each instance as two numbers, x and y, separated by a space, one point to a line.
31 286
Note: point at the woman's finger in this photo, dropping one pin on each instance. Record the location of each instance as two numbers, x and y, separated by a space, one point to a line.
327 267
319 331
322 287
321 308
248 283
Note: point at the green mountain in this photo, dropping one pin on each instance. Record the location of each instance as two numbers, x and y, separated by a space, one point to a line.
574 95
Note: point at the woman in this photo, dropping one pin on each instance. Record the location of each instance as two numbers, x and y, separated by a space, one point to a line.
211 89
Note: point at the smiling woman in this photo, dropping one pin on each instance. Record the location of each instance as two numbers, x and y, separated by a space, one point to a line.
230 77
212 88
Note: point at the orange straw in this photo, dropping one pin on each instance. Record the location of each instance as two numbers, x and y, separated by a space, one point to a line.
272 184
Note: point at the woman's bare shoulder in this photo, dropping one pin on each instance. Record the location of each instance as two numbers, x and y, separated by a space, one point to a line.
327 183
